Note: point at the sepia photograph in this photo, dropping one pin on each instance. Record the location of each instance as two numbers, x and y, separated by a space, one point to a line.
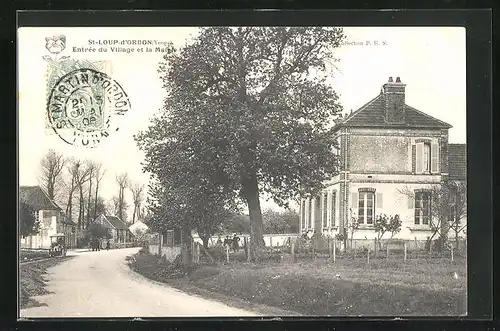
242 171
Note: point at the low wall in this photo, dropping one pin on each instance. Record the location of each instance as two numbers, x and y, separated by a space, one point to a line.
275 239
168 252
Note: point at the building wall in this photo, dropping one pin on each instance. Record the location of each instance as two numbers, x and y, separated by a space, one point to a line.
380 154
383 159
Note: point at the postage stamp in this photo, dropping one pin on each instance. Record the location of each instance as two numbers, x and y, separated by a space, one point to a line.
82 98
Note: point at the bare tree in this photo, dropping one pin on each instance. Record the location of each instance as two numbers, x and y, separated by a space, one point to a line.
91 168
99 174
458 205
121 205
137 196
52 165
440 220
73 169
82 175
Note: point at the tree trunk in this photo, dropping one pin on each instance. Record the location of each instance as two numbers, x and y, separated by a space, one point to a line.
96 195
133 216
90 199
251 192
186 246
81 209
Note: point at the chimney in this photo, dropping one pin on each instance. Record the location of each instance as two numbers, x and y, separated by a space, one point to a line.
394 97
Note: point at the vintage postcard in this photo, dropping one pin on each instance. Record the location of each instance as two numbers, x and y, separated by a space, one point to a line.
242 171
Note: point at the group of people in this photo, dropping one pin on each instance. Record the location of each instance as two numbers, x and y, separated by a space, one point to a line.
231 243
96 244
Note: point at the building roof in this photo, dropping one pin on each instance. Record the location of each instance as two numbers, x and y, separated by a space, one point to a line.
138 224
457 161
116 222
372 115
37 198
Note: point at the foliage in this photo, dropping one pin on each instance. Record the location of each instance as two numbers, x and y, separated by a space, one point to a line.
96 230
280 222
353 225
236 224
256 101
341 236
384 223
27 221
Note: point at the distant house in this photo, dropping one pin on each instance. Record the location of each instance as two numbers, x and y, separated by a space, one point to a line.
50 216
138 228
117 229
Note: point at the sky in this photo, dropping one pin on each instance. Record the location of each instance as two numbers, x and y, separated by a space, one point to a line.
431 61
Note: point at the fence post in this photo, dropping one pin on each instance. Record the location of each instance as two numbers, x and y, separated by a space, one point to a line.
405 253
293 250
271 242
387 249
452 253
198 253
227 254
334 248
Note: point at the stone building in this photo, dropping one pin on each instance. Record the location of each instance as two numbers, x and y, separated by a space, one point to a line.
386 148
50 217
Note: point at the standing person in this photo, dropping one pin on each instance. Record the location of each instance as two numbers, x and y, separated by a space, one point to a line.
107 245
235 243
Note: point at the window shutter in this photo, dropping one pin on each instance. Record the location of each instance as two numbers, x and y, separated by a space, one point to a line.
411 202
379 201
419 158
354 200
434 157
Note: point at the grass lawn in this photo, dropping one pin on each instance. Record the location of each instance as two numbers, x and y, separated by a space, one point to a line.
346 288
32 281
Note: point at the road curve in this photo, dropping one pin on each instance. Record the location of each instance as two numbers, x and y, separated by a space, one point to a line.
100 284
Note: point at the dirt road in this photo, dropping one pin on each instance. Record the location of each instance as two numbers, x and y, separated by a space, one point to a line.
100 284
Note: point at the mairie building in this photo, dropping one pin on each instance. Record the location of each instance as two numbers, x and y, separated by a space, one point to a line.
387 149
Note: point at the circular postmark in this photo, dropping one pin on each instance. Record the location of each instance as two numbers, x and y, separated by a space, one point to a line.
82 106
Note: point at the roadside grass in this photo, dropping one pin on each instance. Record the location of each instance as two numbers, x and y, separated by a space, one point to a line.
29 254
320 287
32 280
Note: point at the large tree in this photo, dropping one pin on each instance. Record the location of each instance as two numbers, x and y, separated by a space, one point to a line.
264 95
51 168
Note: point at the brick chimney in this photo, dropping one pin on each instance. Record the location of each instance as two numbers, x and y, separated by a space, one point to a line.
394 97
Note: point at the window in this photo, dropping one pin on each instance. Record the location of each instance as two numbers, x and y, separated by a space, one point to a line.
426 156
366 207
332 208
311 207
426 166
325 209
422 207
